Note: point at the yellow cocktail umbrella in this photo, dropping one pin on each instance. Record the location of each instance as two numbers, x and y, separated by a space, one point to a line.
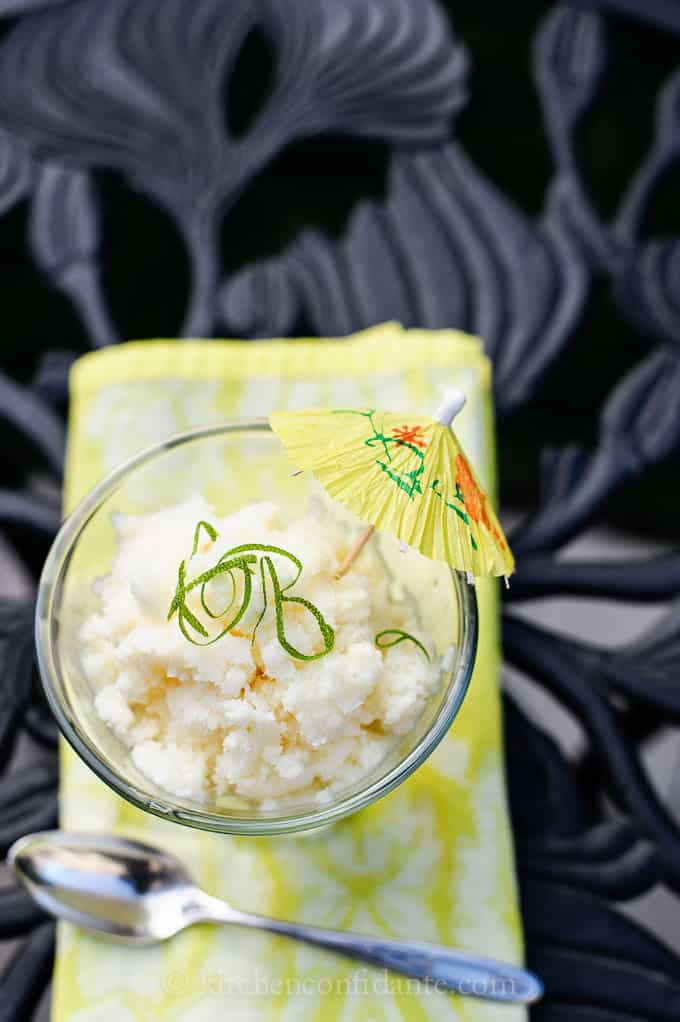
403 474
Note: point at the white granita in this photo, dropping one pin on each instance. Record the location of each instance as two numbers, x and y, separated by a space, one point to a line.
243 717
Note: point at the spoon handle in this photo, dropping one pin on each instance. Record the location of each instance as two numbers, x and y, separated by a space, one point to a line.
442 968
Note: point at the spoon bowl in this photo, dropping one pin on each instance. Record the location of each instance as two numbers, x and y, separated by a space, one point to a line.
122 888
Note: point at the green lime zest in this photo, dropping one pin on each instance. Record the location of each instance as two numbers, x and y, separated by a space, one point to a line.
242 558
210 529
186 617
280 598
399 636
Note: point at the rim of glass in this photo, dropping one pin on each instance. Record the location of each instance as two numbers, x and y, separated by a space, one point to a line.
52 576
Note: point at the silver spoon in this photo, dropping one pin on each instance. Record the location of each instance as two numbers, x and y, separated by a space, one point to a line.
140 894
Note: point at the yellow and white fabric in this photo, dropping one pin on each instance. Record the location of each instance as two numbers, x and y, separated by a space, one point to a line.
432 861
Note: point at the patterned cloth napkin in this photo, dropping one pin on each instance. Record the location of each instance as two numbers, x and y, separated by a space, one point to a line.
432 861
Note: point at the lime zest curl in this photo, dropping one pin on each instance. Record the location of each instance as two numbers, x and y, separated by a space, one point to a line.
210 529
243 558
400 636
280 599
185 616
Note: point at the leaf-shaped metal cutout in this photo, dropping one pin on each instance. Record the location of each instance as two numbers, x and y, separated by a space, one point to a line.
641 419
639 427
15 171
662 154
577 674
649 289
137 85
64 233
23 411
648 669
446 249
570 57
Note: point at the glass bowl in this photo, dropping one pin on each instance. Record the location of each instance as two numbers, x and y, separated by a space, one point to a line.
231 465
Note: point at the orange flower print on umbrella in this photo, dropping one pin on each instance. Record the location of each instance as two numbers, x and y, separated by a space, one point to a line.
410 435
474 498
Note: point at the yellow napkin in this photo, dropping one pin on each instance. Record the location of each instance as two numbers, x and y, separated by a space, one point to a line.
432 861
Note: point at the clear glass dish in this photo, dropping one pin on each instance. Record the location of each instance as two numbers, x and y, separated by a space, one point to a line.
232 465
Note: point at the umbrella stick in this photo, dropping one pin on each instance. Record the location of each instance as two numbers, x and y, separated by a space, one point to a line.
355 551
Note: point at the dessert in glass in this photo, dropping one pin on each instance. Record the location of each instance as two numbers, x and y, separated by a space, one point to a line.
206 656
